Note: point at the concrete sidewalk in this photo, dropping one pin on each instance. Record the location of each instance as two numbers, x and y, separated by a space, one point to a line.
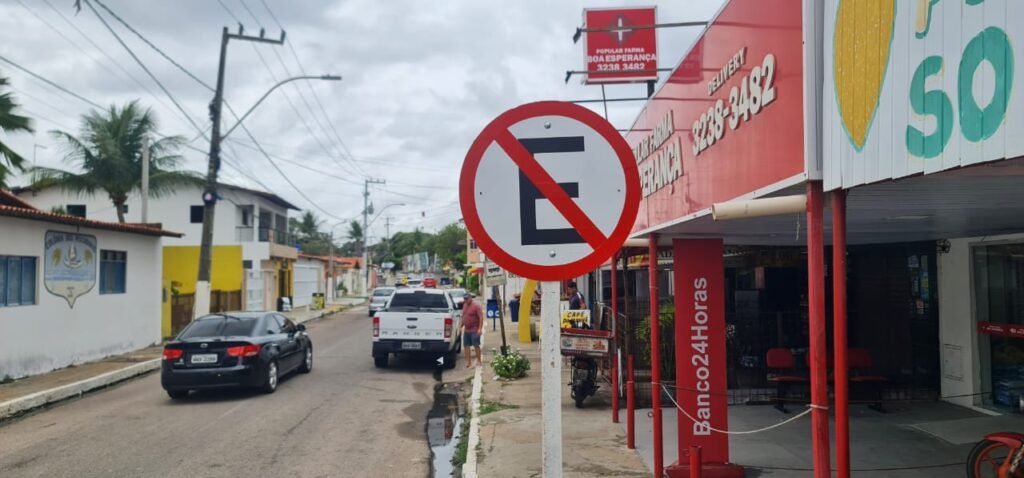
510 439
27 394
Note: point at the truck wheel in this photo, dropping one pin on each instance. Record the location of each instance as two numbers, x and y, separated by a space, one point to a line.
380 361
449 360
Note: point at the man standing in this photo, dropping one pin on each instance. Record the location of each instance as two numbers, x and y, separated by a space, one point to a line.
576 301
472 329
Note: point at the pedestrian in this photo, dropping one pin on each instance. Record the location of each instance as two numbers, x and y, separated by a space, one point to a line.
472 329
576 301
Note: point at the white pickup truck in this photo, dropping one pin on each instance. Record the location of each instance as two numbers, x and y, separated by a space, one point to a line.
423 322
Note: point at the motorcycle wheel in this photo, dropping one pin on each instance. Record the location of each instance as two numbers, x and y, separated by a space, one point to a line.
985 459
579 397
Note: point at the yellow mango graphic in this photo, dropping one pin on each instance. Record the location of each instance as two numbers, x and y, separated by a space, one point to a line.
863 38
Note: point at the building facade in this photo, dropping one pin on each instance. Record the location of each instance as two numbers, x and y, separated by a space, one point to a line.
253 257
74 290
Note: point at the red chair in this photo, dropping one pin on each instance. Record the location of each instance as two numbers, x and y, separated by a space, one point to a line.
864 385
782 362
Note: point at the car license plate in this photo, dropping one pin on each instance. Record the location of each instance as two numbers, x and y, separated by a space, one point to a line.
204 358
410 345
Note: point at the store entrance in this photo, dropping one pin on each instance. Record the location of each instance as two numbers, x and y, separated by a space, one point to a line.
999 311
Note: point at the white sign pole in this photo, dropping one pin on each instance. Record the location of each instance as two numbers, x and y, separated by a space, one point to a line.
551 380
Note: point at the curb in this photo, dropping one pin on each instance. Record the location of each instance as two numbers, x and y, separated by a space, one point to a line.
469 468
18 406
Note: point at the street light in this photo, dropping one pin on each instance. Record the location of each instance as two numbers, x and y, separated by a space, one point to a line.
271 90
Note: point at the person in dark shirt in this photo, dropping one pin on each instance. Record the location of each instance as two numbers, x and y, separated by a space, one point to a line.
576 301
472 329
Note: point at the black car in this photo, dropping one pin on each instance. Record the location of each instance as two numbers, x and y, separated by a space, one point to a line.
235 349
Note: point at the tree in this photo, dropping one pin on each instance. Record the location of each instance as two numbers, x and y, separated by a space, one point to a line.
307 234
354 246
450 245
108 152
10 122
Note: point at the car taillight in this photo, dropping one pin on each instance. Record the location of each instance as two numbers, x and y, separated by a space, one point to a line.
248 350
376 326
173 354
447 327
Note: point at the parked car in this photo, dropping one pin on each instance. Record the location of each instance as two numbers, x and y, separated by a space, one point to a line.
418 321
235 349
379 297
430 282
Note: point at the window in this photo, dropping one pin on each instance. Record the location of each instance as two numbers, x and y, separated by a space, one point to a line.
113 271
472 244
273 324
418 300
75 210
17 280
219 326
245 217
247 265
196 214
287 326
124 209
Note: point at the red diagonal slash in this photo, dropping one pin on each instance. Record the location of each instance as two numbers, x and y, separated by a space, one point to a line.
550 188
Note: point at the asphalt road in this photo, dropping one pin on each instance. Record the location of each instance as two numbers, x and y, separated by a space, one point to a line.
345 419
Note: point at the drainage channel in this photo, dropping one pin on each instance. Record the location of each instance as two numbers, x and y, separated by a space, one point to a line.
446 430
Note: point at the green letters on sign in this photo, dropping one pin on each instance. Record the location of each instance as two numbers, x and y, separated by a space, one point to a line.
933 103
990 45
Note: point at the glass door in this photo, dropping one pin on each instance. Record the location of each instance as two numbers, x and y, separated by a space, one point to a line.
999 302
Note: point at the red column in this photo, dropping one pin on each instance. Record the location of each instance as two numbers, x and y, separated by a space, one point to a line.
615 356
652 279
816 328
630 404
839 344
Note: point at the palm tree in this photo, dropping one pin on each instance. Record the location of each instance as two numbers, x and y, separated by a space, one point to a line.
10 122
108 152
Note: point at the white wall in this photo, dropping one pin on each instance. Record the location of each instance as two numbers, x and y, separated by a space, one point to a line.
958 336
308 278
50 335
173 211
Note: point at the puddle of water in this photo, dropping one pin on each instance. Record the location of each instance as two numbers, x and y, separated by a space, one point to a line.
444 426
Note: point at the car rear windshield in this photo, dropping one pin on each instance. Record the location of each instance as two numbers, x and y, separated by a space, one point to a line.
457 293
382 292
219 326
418 301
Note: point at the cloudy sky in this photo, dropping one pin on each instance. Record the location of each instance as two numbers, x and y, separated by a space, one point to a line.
421 79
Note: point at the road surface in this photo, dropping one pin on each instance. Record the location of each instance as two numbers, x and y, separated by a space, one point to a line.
345 419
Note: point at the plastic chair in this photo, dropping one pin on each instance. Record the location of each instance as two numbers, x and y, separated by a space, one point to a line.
782 361
862 383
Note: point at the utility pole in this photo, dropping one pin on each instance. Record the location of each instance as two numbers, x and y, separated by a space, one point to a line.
145 180
202 297
366 232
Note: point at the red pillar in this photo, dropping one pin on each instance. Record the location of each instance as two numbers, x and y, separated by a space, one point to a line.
615 356
839 344
816 328
652 279
630 404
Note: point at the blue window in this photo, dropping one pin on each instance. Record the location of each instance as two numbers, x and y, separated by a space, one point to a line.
17 280
113 271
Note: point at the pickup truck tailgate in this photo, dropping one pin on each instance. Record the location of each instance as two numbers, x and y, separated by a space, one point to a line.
412 325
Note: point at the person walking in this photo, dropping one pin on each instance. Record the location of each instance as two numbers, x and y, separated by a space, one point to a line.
472 329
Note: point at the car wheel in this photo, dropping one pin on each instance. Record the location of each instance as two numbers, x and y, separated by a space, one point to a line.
380 361
177 394
270 381
307 361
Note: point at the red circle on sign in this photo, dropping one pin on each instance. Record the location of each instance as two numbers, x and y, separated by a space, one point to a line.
601 252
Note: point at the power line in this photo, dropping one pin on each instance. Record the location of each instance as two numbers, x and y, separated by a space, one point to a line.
309 87
141 64
48 82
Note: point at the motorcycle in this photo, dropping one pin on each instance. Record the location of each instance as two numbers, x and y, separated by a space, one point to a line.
999 455
584 379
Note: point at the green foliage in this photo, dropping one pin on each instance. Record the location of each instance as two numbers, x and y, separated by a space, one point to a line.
488 407
107 155
10 122
308 236
666 329
7 379
462 449
511 365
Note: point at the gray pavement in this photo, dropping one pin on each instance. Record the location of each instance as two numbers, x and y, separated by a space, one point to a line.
912 440
346 418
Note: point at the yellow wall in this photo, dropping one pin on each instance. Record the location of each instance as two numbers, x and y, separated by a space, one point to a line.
181 267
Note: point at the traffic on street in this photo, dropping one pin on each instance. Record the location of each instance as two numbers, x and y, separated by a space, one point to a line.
480 239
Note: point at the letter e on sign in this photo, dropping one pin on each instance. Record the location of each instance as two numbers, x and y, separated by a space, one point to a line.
549 190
